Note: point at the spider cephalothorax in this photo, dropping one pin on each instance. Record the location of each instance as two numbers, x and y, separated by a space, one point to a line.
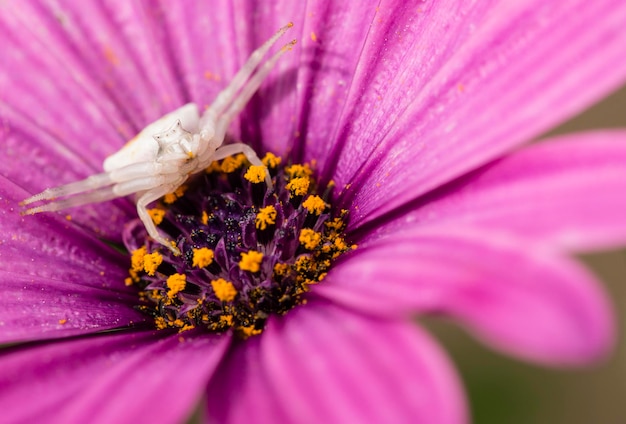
165 153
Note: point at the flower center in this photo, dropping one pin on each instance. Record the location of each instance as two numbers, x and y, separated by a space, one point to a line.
246 251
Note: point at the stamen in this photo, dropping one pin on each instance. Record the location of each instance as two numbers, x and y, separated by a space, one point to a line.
299 186
151 262
255 174
202 257
251 261
176 283
314 204
247 250
224 290
265 217
157 215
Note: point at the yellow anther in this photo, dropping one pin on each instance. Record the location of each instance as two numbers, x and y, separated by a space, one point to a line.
159 323
151 262
280 268
202 257
176 283
232 163
205 218
157 215
214 167
336 224
169 198
226 320
136 259
314 204
224 290
255 174
309 238
270 160
172 197
265 217
245 332
299 171
302 263
299 186
340 244
251 261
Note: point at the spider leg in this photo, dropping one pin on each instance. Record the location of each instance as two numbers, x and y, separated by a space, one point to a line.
142 210
92 183
248 90
249 153
227 95
99 195
100 187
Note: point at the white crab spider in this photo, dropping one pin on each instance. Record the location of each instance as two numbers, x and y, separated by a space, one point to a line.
165 153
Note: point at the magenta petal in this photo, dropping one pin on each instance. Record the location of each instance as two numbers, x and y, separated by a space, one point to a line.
36 308
50 246
239 393
563 194
115 378
518 297
329 365
505 74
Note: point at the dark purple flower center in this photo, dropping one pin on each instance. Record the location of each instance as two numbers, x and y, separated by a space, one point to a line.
246 251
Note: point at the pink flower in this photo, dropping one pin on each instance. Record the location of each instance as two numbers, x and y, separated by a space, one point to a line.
411 108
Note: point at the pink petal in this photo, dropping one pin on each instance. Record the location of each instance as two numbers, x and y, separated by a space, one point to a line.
519 297
59 279
121 378
48 245
34 308
564 194
320 363
239 393
473 86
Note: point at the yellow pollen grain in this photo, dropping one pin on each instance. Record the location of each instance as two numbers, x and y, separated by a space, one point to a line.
249 331
136 259
251 261
128 281
340 244
176 283
336 224
159 323
63 321
224 290
299 186
214 167
314 204
299 171
172 197
280 268
226 320
157 215
151 262
169 198
255 174
232 163
270 160
265 217
202 257
309 238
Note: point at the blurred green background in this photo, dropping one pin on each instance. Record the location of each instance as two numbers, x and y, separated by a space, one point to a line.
503 390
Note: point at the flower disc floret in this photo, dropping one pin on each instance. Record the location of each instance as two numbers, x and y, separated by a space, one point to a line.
245 254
